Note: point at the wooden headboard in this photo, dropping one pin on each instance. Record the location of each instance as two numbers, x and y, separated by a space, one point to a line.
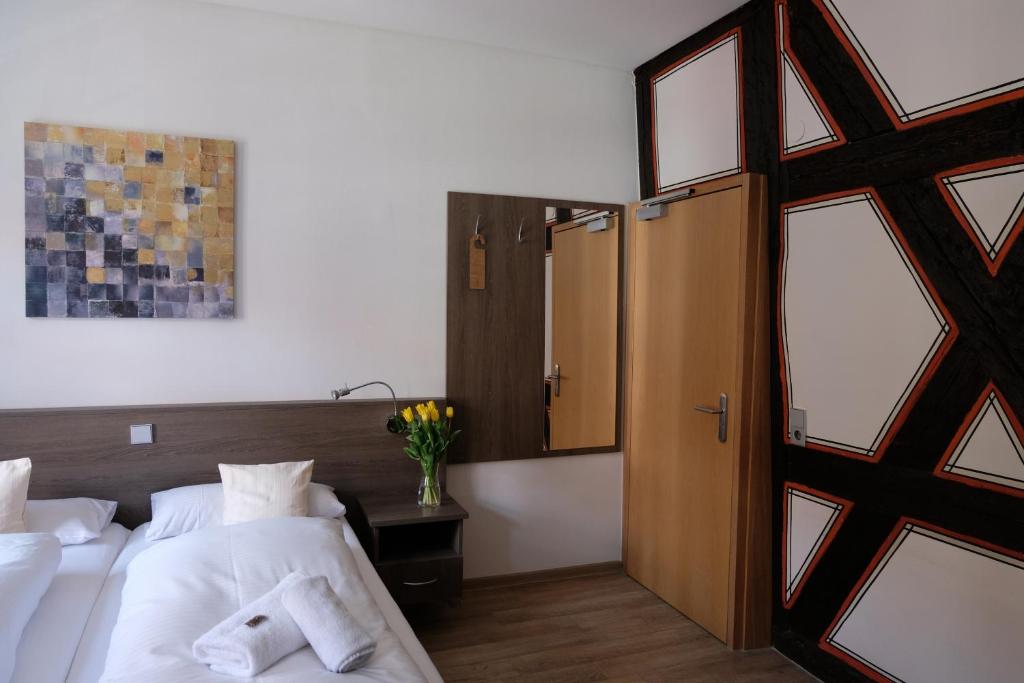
86 451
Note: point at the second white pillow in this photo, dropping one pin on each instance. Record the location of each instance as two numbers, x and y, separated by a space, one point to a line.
187 508
263 491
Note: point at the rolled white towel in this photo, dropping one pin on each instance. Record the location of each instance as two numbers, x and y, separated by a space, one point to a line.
254 637
340 642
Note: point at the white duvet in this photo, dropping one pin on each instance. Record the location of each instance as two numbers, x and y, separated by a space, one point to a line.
28 563
178 589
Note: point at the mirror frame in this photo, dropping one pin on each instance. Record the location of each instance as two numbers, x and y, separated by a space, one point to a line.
497 417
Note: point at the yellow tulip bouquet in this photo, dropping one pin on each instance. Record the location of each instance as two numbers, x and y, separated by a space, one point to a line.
429 438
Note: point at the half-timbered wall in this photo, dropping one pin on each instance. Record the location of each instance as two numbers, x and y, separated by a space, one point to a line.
892 134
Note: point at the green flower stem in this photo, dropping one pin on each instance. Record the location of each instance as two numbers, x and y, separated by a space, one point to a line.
430 488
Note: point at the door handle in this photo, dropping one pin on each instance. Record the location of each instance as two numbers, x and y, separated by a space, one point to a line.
556 380
722 412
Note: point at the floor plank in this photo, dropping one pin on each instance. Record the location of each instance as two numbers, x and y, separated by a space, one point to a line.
604 628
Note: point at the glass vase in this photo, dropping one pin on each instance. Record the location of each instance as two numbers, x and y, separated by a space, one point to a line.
429 494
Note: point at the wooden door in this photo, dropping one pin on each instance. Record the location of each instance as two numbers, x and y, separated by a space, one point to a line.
584 335
687 275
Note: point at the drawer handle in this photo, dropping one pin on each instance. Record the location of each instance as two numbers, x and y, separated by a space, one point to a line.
419 583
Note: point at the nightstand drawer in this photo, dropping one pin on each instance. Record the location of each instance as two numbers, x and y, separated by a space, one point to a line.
413 581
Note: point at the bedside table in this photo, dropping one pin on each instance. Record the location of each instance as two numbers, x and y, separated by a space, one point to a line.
416 551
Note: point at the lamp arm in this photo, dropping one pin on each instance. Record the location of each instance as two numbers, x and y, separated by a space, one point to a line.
393 423
394 398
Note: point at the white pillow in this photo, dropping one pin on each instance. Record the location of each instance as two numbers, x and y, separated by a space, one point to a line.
265 491
71 520
187 508
14 476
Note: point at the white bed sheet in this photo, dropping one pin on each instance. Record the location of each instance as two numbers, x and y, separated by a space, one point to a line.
87 666
50 638
92 650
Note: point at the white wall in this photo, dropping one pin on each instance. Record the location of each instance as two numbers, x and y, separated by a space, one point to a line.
348 140
527 515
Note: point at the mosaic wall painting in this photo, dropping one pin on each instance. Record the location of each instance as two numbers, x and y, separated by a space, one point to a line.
121 224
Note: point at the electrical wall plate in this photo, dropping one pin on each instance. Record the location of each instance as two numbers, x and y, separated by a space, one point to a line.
797 435
141 434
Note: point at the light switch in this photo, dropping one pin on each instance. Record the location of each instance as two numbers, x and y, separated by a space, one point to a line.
797 427
141 434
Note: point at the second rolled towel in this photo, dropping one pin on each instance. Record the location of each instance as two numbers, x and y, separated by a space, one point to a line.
341 643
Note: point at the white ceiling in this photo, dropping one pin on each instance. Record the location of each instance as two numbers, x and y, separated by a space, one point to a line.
621 34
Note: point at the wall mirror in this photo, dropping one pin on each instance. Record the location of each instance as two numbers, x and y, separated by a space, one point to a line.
535 326
581 328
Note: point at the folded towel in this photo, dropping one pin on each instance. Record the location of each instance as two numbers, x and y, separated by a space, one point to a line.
340 642
254 637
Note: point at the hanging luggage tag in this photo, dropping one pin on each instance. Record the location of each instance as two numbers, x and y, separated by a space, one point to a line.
477 261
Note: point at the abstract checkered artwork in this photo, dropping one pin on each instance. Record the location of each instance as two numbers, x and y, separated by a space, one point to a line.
121 224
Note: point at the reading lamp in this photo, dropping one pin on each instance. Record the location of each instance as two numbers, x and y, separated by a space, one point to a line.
394 422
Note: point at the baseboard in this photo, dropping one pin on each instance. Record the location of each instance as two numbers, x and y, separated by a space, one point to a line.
542 576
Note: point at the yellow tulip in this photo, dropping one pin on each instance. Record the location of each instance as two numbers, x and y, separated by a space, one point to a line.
422 411
431 406
407 415
434 415
449 412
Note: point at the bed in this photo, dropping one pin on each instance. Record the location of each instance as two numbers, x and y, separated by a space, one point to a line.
83 452
51 636
90 659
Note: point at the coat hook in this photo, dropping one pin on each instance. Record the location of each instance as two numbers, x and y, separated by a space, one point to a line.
476 228
519 237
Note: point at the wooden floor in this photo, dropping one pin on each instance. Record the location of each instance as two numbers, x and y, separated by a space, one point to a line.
603 627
